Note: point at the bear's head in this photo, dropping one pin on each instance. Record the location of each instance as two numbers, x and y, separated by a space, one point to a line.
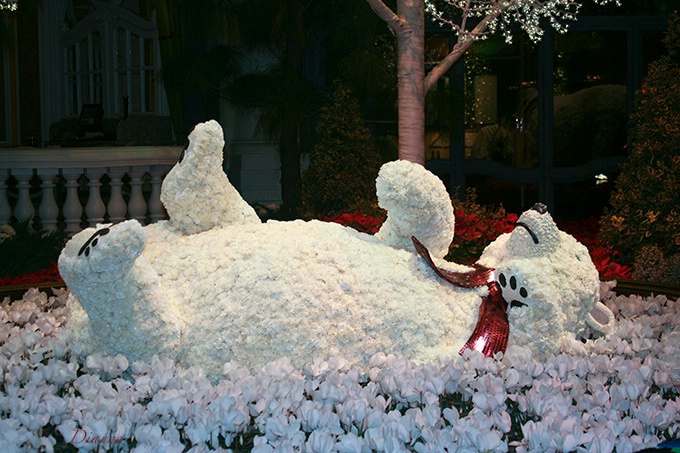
103 254
549 282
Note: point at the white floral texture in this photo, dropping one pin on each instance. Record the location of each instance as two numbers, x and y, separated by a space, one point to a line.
550 282
196 192
615 393
105 258
249 292
421 209
6 232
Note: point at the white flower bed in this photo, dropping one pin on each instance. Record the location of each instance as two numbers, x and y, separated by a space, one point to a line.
618 392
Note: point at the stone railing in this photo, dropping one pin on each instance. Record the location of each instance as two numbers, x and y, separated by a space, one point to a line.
73 188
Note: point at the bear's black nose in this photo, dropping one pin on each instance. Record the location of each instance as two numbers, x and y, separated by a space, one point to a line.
540 208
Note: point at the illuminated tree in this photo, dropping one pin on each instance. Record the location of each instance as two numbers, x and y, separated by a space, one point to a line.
471 20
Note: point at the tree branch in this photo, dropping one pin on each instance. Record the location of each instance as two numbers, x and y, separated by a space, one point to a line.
465 41
393 21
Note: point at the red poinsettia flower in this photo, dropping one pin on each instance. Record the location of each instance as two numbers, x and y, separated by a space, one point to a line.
471 236
357 220
47 275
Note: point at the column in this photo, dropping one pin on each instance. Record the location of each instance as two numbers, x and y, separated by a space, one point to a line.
156 209
5 208
73 210
116 207
137 205
24 208
48 211
94 209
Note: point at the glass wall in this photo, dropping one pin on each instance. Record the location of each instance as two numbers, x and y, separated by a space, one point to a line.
440 103
590 94
4 96
501 90
84 73
542 122
111 58
135 71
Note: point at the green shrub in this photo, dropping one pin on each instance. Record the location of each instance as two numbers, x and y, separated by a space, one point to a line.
344 163
651 264
25 250
645 205
476 227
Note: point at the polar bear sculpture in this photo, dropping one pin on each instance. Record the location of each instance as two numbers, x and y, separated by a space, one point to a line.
207 293
548 280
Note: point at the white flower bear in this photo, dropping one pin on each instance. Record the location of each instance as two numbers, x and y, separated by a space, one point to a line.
213 284
549 282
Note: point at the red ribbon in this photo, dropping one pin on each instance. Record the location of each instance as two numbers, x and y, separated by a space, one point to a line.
493 329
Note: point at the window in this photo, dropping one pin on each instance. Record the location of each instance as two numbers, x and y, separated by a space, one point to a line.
110 57
135 72
590 96
501 93
83 75
4 96
539 122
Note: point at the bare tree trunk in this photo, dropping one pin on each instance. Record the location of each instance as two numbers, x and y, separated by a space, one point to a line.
408 24
411 81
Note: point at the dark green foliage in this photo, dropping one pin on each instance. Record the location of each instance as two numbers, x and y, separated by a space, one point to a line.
651 264
29 250
645 206
344 163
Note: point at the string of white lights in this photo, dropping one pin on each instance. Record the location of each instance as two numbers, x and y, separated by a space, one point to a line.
9 4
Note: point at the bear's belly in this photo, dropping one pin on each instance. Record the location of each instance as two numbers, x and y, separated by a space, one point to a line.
304 290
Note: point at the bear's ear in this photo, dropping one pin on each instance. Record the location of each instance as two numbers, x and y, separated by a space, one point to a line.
601 319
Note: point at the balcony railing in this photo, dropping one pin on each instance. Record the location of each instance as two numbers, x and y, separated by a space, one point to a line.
73 188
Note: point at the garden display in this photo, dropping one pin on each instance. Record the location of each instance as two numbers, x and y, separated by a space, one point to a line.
198 335
205 292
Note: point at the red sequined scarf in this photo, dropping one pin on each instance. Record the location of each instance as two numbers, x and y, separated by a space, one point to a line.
492 330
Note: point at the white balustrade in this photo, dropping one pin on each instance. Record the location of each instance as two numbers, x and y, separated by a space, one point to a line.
49 210
73 210
156 209
24 207
5 208
117 208
84 186
137 204
94 208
